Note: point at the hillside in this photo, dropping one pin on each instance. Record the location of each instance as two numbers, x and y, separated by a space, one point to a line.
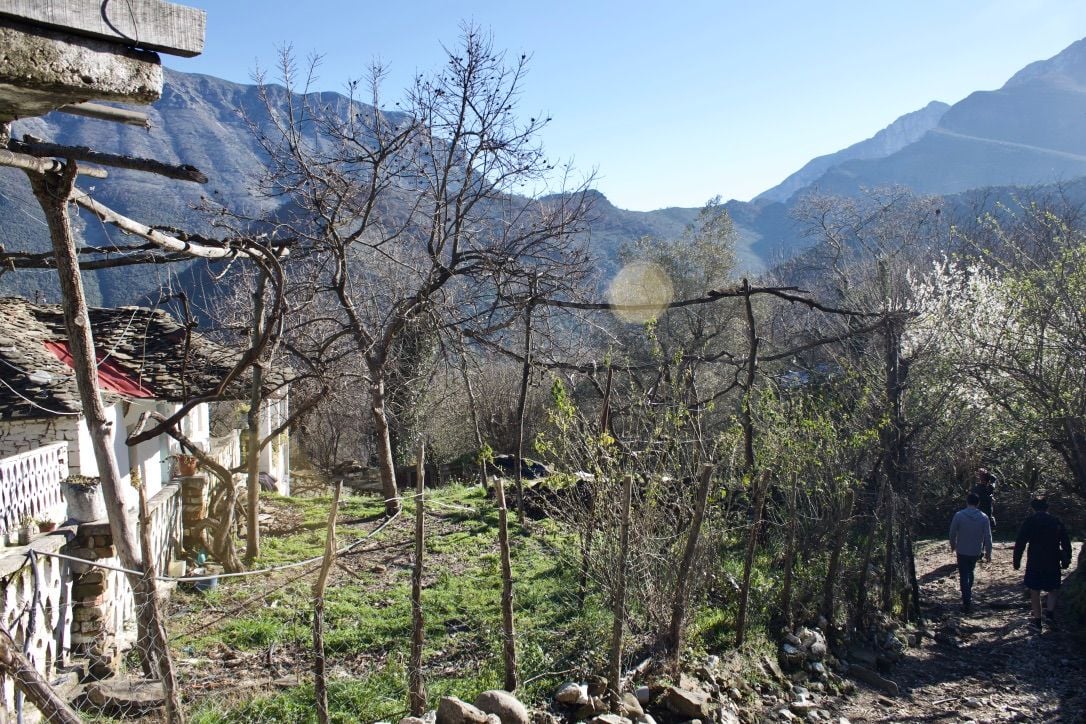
202 121
1028 132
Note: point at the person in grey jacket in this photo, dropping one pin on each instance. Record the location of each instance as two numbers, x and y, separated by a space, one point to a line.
970 537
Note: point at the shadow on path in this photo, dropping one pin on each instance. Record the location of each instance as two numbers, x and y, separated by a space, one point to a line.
988 666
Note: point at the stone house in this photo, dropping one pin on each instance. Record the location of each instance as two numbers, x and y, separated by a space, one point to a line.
147 362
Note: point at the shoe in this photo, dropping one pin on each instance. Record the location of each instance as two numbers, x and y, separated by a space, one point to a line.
1035 623
967 608
1050 618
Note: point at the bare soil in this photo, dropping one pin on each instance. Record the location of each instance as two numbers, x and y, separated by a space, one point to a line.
990 665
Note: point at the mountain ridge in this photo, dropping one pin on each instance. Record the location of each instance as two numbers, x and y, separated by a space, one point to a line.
1030 131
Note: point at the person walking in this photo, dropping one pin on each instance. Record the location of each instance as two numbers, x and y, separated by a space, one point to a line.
970 537
1049 550
985 490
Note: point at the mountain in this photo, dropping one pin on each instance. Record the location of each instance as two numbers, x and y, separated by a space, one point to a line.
202 121
1031 131
905 130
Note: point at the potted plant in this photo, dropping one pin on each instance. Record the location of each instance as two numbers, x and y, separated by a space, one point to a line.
84 497
27 529
46 525
186 465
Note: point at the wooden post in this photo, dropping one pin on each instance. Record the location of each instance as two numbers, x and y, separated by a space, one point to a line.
619 608
320 680
416 692
678 602
746 418
27 680
509 634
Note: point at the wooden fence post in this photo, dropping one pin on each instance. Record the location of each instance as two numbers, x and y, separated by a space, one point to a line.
320 680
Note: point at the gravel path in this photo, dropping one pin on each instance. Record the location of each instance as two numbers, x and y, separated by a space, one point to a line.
987 666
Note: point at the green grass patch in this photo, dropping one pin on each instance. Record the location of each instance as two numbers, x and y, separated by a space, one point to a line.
367 621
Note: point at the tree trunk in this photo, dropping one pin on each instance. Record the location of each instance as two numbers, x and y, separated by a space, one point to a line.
320 679
829 588
522 401
477 428
888 554
619 604
53 191
252 531
678 602
386 465
509 635
19 670
416 690
790 555
748 562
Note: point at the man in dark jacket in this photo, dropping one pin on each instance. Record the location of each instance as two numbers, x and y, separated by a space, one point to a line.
1049 551
970 536
985 490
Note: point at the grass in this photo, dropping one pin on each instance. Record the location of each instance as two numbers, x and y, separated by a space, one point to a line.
368 611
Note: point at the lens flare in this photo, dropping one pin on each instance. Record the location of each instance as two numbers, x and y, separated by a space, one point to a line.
641 290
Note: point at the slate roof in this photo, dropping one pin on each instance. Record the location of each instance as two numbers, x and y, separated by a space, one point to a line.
141 353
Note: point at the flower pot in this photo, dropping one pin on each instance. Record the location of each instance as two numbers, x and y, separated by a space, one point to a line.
47 526
25 534
186 465
85 503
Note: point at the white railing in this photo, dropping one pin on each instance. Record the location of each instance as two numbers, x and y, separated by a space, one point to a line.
37 611
30 485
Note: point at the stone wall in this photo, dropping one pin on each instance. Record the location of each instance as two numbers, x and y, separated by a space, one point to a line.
20 436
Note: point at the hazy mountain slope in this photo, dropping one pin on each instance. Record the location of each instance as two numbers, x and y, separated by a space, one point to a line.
903 131
1030 131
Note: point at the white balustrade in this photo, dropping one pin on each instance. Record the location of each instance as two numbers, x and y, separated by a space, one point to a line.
30 485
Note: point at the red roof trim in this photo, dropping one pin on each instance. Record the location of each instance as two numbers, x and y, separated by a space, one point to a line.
110 375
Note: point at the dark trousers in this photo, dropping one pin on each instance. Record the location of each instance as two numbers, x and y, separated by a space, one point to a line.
966 567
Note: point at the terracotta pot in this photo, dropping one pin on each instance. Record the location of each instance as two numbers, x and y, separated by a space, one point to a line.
47 526
186 465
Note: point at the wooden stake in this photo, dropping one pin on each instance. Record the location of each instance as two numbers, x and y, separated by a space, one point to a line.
619 610
320 679
416 692
174 712
509 648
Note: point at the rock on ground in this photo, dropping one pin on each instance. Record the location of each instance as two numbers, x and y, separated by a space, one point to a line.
506 706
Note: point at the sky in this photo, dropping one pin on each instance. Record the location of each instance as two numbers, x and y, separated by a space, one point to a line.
671 103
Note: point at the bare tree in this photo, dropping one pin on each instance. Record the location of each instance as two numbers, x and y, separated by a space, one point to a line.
412 215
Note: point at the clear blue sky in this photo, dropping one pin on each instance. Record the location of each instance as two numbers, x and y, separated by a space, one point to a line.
674 102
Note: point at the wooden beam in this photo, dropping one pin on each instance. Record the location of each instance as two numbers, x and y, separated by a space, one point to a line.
151 24
163 241
107 113
43 165
82 153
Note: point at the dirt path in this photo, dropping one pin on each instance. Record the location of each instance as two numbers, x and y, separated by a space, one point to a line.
987 666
